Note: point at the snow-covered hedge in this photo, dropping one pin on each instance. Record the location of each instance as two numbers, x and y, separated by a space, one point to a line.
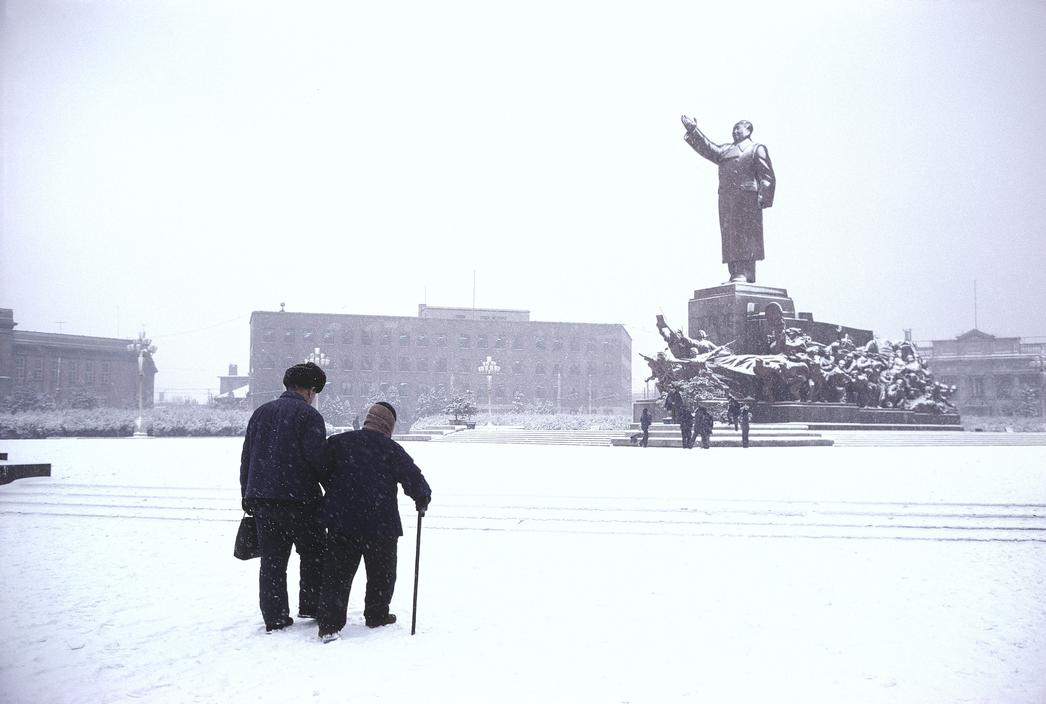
541 421
162 421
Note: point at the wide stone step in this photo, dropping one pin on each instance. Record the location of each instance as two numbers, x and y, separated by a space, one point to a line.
715 441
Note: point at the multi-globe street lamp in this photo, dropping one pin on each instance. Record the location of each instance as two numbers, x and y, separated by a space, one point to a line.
141 347
321 360
490 368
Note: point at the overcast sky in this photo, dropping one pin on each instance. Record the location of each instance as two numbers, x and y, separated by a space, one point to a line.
180 164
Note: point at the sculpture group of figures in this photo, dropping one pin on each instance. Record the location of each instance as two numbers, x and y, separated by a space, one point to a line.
881 373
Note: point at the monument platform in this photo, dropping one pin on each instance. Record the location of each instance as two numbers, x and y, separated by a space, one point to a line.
735 314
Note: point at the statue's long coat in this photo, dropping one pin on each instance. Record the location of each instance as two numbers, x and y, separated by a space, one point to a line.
746 177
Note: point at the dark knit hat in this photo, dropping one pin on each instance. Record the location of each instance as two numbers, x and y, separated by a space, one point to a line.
305 376
381 417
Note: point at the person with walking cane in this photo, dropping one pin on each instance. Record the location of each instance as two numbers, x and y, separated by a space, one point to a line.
364 469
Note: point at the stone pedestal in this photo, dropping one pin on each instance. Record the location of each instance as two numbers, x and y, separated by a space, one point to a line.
735 314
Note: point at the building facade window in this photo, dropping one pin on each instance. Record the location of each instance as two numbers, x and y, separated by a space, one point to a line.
306 335
422 340
464 341
386 338
441 339
499 342
404 364
347 337
557 344
422 365
441 364
976 387
517 367
107 374
539 342
404 339
539 368
366 363
89 372
1004 386
481 342
385 365
346 364
346 388
19 368
288 336
517 342
268 335
38 369
328 334
366 337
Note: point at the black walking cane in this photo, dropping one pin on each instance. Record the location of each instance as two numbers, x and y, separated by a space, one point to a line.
417 560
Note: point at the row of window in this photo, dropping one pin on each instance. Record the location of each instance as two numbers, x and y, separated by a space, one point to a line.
69 372
441 365
464 340
1003 385
501 394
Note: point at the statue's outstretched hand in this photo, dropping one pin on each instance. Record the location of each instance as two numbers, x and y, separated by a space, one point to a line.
688 123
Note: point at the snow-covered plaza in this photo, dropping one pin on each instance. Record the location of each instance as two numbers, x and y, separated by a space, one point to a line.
548 574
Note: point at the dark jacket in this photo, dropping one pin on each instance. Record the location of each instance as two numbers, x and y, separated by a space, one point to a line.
363 468
283 451
645 419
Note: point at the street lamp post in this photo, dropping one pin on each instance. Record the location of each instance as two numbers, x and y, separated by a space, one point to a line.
141 347
490 368
321 360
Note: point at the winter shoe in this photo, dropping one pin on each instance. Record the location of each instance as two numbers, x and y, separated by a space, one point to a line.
279 625
381 621
330 637
307 613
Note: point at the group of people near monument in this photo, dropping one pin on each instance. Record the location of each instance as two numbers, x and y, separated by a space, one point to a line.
697 422
334 500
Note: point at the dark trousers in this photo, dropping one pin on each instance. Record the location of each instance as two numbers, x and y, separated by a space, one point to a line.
340 565
687 430
744 436
705 438
646 437
281 525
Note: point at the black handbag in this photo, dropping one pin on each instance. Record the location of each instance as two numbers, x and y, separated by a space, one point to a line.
246 539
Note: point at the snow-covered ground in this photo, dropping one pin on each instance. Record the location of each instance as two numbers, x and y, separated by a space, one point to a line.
548 574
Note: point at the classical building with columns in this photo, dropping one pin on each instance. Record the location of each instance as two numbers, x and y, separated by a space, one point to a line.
66 367
569 366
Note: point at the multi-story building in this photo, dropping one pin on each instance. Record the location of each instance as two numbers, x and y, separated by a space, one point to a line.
67 367
994 375
566 366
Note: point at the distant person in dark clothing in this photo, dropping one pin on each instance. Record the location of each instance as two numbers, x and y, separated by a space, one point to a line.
363 469
686 424
644 422
733 410
283 453
703 424
356 423
745 417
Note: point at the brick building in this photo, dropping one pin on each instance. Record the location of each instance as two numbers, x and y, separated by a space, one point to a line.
570 366
66 367
993 374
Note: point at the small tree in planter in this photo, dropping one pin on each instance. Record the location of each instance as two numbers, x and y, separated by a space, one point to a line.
432 402
519 402
462 405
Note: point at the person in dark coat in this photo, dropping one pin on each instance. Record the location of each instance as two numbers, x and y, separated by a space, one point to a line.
703 424
686 424
745 418
363 469
283 453
644 422
733 410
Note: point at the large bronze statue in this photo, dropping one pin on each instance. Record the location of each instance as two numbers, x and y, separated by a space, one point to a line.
746 186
